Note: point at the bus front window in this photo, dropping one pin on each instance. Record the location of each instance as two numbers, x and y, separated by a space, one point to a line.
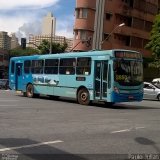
128 72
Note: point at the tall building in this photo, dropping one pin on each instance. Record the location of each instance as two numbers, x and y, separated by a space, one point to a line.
14 41
47 23
5 41
99 24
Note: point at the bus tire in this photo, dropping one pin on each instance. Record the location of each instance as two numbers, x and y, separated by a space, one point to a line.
30 91
83 97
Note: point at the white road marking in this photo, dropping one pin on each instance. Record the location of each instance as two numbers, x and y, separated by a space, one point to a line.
128 130
30 145
124 130
139 128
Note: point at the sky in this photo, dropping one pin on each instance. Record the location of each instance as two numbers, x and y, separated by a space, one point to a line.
24 17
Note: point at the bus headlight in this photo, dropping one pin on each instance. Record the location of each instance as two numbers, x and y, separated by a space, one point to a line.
116 90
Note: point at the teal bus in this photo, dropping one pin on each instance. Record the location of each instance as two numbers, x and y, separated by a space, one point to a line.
109 75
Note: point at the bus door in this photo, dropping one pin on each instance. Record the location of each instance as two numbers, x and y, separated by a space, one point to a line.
101 72
19 78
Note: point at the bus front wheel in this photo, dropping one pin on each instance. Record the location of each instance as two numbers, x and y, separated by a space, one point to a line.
83 97
30 91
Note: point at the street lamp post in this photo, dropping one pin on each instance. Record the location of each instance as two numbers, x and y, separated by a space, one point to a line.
120 25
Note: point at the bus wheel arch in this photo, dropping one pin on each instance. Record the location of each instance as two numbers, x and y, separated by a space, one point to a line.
83 96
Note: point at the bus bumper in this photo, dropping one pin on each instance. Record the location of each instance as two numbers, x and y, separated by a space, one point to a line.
118 97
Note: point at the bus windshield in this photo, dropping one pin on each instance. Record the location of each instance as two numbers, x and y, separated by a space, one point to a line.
128 72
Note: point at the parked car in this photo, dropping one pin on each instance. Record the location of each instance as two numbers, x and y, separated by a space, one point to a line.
156 80
4 84
151 91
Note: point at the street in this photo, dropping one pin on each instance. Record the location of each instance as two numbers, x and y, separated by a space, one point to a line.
41 126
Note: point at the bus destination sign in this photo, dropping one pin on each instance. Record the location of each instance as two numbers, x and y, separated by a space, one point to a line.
126 54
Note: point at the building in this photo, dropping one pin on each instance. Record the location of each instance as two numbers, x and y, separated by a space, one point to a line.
47 23
14 41
99 24
5 41
35 41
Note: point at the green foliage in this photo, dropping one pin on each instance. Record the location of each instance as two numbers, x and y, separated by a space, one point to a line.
154 43
23 52
155 64
44 47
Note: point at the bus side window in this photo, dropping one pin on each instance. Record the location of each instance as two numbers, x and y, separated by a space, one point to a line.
67 66
51 66
83 66
27 66
37 66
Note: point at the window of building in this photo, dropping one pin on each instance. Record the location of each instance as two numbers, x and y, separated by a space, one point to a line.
136 42
37 66
76 34
83 35
84 13
148 26
138 23
108 16
67 66
127 40
77 13
83 66
51 66
27 66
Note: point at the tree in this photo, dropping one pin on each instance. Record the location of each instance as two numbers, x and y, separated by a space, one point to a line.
16 52
154 43
44 47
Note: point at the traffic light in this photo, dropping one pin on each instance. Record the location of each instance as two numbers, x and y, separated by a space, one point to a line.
23 43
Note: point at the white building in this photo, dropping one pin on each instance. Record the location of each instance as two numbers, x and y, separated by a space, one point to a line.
47 24
35 41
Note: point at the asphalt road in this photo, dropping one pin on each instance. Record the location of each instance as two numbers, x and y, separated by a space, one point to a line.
36 128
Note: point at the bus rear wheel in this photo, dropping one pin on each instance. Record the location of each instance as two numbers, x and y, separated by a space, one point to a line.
30 91
83 97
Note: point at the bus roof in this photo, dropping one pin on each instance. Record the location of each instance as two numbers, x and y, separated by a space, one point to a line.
73 54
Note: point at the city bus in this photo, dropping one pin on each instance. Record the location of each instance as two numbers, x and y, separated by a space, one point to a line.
110 76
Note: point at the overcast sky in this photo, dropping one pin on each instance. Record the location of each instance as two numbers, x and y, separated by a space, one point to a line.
24 17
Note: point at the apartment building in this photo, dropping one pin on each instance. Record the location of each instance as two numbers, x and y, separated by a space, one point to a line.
5 41
102 23
35 41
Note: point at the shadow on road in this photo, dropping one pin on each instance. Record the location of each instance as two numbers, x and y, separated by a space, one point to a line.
146 141
96 104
